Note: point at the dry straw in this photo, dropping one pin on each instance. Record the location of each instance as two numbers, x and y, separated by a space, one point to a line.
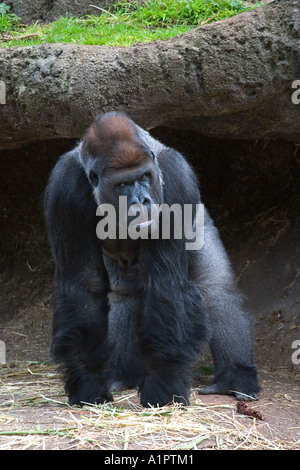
35 415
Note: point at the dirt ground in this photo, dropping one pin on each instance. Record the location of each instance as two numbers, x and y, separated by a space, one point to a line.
34 415
252 190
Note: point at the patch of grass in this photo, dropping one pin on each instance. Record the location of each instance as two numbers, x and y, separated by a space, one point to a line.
203 370
155 12
8 22
105 30
127 23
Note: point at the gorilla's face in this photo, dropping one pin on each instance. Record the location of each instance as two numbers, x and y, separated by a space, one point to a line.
133 192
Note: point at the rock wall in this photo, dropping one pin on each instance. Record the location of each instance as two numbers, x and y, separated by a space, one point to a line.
50 10
232 78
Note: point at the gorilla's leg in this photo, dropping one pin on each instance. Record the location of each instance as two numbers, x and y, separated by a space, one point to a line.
231 328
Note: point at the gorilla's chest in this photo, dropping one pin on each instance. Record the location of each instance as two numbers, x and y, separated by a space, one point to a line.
125 272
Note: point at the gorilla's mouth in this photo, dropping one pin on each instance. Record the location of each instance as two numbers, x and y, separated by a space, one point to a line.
145 224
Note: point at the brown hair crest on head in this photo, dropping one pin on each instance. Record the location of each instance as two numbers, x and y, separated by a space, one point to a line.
113 137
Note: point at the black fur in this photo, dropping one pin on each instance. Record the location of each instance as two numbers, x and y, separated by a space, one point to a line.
136 313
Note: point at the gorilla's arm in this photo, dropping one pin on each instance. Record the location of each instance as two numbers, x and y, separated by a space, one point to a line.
81 285
174 325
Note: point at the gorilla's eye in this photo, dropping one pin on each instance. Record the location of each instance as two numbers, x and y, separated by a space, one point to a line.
93 178
120 185
144 177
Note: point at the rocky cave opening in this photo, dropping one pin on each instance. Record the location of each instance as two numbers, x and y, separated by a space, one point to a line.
252 190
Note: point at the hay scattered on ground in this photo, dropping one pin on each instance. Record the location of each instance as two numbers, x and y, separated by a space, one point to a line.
34 414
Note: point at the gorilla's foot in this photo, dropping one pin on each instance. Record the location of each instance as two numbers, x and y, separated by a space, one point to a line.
156 391
219 390
93 395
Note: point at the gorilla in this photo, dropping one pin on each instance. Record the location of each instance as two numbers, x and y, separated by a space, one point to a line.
135 311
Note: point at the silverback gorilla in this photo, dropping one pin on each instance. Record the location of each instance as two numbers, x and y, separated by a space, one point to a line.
135 311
